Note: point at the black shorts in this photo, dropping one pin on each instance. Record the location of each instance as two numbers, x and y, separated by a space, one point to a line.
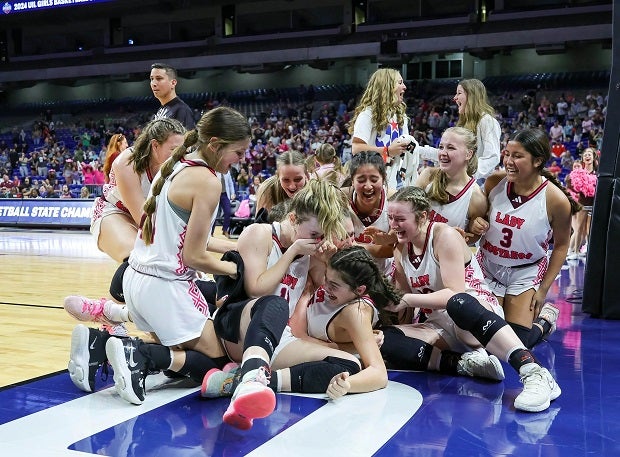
228 319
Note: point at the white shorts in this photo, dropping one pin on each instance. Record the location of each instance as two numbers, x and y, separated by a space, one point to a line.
175 311
504 280
101 209
442 323
286 339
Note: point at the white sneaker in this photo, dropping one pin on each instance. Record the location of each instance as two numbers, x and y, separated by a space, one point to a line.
539 389
480 364
534 427
549 313
252 399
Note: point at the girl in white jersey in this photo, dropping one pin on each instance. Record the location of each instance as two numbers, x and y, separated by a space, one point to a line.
524 213
368 196
451 187
282 258
160 285
437 269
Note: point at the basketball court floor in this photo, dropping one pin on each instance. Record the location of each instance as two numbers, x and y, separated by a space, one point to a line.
418 414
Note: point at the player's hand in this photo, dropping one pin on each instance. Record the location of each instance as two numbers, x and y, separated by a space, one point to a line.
379 337
339 386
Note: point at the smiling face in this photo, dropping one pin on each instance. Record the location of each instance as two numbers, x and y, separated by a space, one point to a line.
519 163
453 153
368 185
336 289
460 98
230 154
292 178
399 89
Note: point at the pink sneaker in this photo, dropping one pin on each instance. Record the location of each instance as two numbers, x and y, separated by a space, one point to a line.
252 399
86 310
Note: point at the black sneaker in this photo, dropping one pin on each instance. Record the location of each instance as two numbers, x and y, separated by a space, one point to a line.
130 368
86 356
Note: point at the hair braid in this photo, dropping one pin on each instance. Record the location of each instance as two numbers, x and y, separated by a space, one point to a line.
191 138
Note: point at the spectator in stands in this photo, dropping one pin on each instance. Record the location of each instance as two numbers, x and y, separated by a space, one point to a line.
65 192
257 180
556 132
84 193
163 84
26 187
24 165
243 179
226 197
566 160
117 144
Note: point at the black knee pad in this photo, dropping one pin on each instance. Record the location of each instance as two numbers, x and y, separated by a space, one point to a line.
470 315
403 352
196 365
116 285
314 377
525 334
269 318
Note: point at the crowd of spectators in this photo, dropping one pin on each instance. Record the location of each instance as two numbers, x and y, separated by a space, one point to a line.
65 159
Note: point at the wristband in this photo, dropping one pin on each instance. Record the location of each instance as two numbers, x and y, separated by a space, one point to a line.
384 154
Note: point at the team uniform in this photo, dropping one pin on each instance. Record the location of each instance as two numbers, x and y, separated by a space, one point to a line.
378 219
160 290
513 251
110 201
321 313
291 285
453 213
423 275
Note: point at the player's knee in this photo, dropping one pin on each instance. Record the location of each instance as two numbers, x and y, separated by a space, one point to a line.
468 314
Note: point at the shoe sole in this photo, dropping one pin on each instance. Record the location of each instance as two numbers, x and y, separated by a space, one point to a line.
79 359
498 369
205 382
245 408
122 376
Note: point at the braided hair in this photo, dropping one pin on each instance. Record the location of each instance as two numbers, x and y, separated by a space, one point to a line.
215 129
416 197
358 268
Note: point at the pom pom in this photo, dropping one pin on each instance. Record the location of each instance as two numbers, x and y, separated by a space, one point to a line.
583 182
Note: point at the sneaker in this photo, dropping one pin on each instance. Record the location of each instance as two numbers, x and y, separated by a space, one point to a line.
130 368
480 364
87 310
252 399
549 313
220 383
539 388
86 356
116 329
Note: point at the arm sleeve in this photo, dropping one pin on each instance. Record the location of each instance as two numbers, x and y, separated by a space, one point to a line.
488 152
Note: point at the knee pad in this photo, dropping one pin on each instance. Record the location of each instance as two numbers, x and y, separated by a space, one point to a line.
403 352
116 285
470 315
314 377
523 333
269 318
196 365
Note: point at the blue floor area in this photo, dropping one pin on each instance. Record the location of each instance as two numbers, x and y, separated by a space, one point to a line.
429 414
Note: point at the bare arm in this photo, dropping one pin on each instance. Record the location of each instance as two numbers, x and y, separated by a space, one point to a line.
129 185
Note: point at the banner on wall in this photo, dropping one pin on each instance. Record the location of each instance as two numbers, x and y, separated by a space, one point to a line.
45 212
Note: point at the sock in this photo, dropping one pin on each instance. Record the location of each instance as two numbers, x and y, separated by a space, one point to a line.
115 311
160 357
253 363
196 365
520 357
275 381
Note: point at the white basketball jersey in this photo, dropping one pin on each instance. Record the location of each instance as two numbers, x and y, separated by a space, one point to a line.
454 213
163 258
321 312
293 282
519 230
111 194
424 275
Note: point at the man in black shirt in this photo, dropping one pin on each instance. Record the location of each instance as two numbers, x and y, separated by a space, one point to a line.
163 85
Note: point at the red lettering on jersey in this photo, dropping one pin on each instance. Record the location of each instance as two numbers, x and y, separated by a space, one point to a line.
289 280
434 216
506 253
421 281
510 221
